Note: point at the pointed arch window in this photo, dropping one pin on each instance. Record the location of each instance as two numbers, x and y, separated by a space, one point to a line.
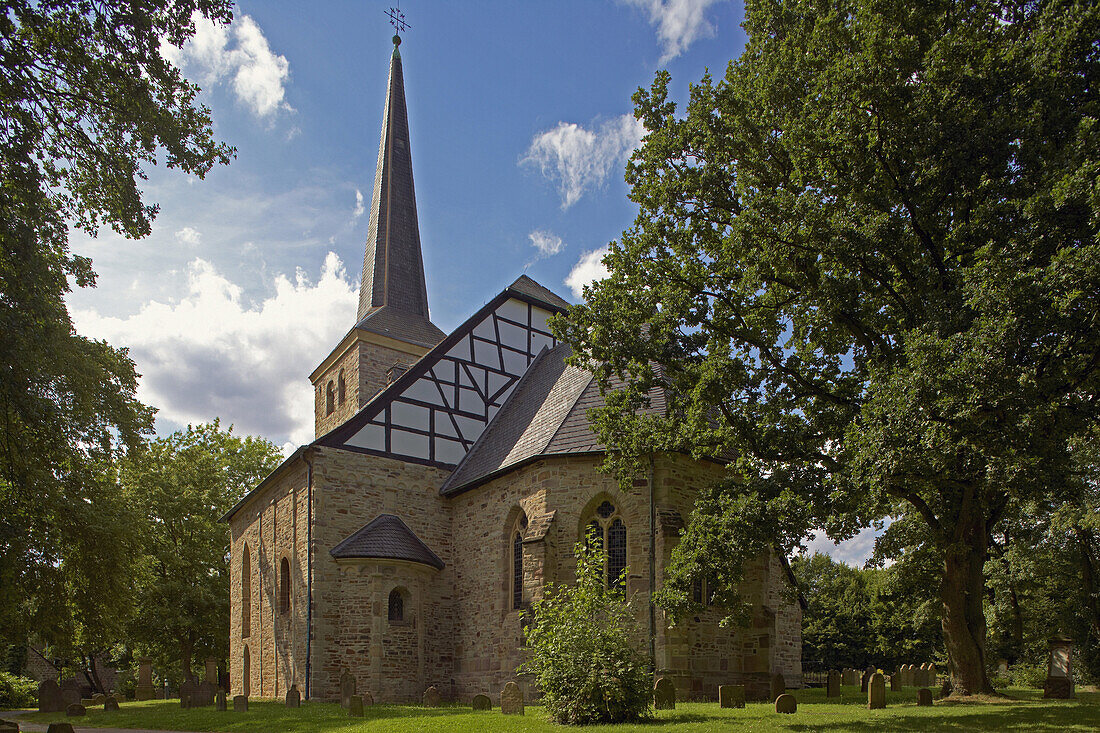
515 559
284 586
608 531
341 388
330 399
246 593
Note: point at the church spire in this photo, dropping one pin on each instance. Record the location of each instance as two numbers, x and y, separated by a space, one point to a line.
393 266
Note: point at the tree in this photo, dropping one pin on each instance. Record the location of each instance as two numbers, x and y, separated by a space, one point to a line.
181 486
86 101
581 650
865 263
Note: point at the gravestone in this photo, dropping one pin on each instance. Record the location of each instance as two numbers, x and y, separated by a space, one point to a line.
863 680
731 696
74 710
905 676
779 685
355 706
926 679
786 704
212 670
110 703
482 702
188 691
511 699
219 700
1059 681
347 687
431 698
240 703
145 689
203 697
367 698
876 692
664 694
851 677
69 696
60 728
293 697
87 702
924 697
49 698
895 682
832 685
98 698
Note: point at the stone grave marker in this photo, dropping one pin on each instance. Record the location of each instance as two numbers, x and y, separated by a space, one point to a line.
212 670
511 699
786 704
87 702
832 685
876 692
355 706
779 685
69 696
219 700
203 697
851 679
664 694
1059 681
49 697
431 698
293 697
110 703
731 696
482 702
895 682
60 728
240 703
99 698
145 689
863 680
74 710
347 687
188 690
924 697
368 699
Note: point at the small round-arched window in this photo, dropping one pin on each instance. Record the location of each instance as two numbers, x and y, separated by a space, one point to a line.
396 608
341 388
608 531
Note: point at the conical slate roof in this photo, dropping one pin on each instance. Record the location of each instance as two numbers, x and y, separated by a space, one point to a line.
387 538
393 265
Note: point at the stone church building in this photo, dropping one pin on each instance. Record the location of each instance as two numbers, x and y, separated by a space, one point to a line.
451 476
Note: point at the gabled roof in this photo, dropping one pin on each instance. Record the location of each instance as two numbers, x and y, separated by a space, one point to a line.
386 537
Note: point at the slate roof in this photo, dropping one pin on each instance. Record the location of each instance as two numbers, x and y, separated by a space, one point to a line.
387 537
526 286
402 325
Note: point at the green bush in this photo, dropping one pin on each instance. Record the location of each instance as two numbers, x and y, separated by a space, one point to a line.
1026 674
580 650
17 691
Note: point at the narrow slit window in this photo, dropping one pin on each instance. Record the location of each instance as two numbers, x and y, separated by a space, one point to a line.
246 593
517 570
284 586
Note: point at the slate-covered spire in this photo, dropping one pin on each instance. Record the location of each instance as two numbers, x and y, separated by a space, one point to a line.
393 297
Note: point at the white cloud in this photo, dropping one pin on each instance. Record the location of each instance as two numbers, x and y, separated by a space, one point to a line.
258 75
679 23
589 268
580 159
212 354
188 235
547 243
854 552
359 208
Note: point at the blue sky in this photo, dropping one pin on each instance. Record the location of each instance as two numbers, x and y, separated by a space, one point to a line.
520 123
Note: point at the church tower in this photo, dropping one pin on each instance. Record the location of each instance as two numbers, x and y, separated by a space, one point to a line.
392 328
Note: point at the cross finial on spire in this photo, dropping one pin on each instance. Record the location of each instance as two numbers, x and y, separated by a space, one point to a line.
397 20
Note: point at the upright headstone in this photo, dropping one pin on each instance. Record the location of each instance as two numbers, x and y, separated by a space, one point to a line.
926 679
481 702
70 696
60 728
511 699
355 706
924 697
851 677
203 697
895 682
74 710
903 675
786 704
863 680
110 703
431 697
99 698
240 703
664 694
49 697
876 692
779 685
145 689
368 699
832 685
731 696
1059 682
188 692
293 697
219 700
212 670
347 687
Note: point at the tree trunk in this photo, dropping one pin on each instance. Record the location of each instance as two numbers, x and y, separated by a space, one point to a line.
187 644
962 593
97 683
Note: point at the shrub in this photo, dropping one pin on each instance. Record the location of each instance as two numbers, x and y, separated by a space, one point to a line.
580 650
1027 674
17 691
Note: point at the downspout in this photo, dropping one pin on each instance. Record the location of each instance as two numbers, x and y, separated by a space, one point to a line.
309 568
652 570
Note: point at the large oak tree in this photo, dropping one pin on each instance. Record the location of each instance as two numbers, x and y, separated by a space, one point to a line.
866 262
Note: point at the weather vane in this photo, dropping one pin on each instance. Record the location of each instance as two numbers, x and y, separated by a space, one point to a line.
397 20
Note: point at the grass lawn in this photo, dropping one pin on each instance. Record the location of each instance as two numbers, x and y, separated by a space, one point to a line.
1026 711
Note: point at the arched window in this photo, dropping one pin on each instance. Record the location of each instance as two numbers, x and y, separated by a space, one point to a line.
246 675
341 388
396 612
608 531
246 593
517 532
284 586
330 399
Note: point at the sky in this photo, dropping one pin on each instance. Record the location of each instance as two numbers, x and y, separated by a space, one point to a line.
520 119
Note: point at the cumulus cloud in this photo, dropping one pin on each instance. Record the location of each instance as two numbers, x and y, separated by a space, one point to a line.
188 235
212 354
258 76
359 208
580 159
854 552
546 243
679 23
589 268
